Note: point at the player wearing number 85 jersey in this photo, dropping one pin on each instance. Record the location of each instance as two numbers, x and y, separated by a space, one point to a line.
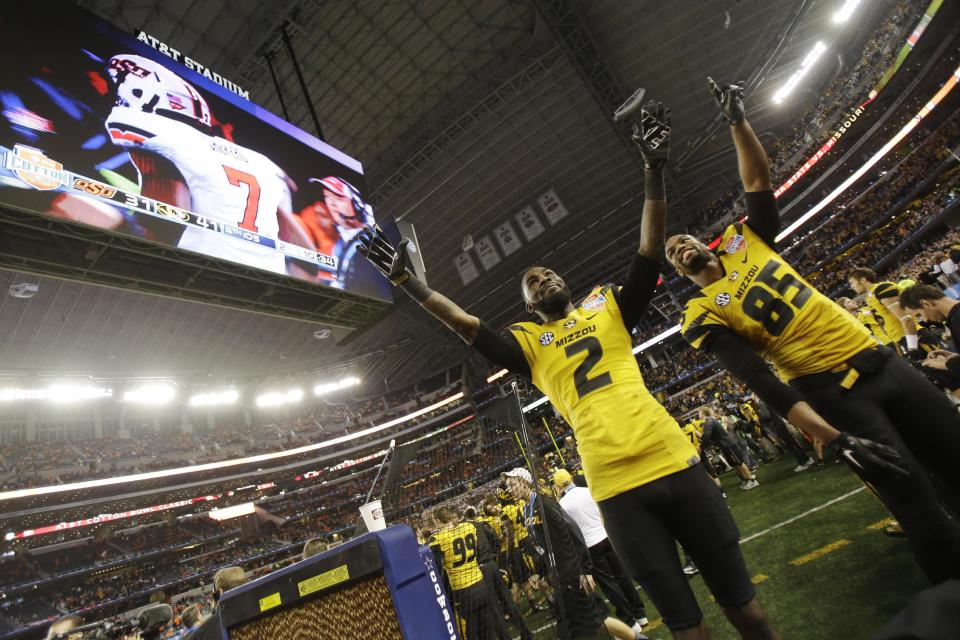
165 124
752 303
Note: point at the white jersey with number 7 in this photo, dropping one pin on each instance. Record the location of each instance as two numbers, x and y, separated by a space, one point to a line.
228 183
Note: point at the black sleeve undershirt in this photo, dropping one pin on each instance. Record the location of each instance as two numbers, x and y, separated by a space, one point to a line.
501 350
763 215
739 359
638 290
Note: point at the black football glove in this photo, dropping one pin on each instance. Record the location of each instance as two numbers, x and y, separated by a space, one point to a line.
650 128
869 458
729 98
389 260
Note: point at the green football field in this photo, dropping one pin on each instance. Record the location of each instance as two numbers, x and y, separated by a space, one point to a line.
813 543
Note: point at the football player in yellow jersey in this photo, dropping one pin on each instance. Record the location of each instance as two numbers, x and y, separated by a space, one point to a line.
456 547
883 299
865 317
643 472
750 301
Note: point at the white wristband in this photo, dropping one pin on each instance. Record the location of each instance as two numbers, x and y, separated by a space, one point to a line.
912 342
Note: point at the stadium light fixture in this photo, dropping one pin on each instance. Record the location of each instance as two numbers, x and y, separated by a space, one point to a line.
278 398
808 61
214 398
328 387
153 393
844 13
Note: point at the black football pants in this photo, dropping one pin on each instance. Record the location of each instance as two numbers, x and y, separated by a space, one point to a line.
894 404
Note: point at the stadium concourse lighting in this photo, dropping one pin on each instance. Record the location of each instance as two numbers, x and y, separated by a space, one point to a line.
327 387
214 398
808 61
58 393
937 98
844 13
208 466
278 398
153 393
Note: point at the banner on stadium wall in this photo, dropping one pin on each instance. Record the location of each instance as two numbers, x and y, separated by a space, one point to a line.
855 114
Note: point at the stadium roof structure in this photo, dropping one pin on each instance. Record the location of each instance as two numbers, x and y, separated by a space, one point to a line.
463 113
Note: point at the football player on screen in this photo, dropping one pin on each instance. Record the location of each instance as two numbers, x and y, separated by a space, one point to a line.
166 126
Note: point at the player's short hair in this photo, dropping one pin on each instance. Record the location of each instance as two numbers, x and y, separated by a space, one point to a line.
444 515
229 578
911 297
863 272
488 503
470 512
191 616
64 624
312 547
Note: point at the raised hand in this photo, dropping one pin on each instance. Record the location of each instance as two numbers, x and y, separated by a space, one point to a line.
729 99
652 134
389 260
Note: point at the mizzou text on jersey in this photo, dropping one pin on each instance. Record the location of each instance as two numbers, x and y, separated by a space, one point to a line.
584 363
765 301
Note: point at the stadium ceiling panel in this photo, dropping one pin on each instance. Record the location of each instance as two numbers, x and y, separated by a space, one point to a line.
463 114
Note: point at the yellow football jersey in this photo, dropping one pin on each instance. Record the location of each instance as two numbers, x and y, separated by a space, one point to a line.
515 513
585 364
865 316
749 413
693 434
768 304
458 546
875 298
497 525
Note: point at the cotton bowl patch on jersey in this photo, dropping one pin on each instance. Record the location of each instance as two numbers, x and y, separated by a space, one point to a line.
722 299
594 302
736 243
546 338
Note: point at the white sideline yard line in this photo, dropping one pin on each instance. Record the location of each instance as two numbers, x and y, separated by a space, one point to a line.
754 536
801 515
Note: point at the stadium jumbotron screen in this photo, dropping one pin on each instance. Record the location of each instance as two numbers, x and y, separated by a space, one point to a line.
100 129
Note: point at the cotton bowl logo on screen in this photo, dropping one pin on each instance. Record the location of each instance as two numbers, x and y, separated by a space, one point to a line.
594 302
34 168
546 338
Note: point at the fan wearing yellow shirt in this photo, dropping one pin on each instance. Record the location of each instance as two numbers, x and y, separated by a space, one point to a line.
751 306
641 470
866 318
455 546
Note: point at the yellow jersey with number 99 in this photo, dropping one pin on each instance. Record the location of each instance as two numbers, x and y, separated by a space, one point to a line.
767 303
585 364
458 546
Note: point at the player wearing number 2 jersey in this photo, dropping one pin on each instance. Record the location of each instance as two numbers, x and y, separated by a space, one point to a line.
165 124
641 469
752 303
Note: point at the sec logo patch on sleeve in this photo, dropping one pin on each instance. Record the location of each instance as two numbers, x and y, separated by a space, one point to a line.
546 338
722 299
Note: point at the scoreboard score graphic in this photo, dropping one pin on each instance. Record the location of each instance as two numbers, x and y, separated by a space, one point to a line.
99 129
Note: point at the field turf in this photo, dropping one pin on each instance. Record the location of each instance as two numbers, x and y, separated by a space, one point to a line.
828 574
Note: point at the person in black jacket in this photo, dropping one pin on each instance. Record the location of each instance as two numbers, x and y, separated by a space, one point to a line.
583 612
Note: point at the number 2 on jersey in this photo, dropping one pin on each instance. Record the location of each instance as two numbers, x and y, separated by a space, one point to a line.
239 178
581 375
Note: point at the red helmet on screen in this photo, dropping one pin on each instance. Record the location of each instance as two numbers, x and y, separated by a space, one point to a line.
362 213
145 85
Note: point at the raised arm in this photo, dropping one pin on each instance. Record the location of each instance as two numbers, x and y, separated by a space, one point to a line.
651 133
392 262
752 162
